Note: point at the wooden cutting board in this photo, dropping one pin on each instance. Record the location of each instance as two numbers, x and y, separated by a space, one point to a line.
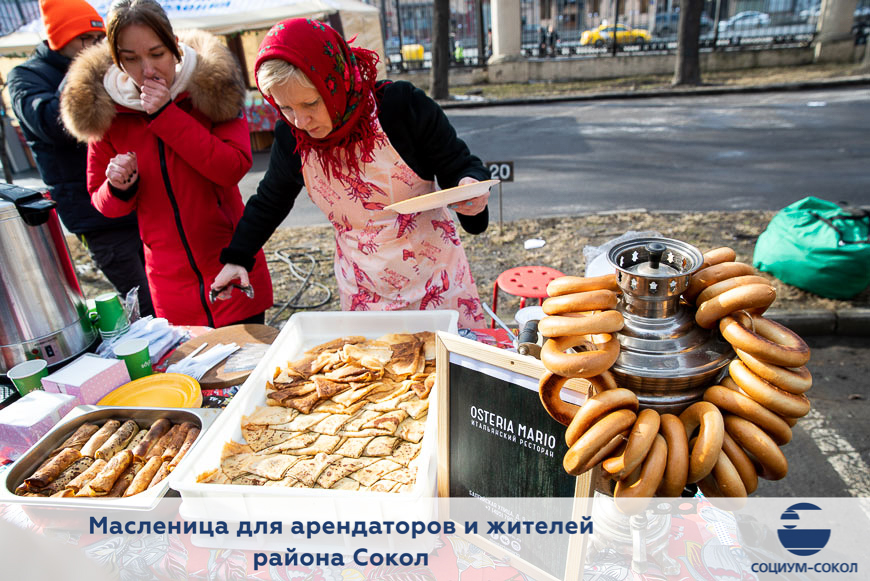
241 335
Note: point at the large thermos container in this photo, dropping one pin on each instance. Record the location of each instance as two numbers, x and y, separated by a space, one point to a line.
42 311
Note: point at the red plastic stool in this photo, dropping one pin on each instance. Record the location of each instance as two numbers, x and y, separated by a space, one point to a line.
526 282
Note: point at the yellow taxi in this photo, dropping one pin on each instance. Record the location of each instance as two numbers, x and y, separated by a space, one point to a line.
604 34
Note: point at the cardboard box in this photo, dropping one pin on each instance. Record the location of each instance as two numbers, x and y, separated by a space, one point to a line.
25 421
88 378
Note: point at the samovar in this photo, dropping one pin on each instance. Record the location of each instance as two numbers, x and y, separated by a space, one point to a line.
668 361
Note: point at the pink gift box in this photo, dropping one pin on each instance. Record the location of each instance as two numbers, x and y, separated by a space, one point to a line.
25 421
88 378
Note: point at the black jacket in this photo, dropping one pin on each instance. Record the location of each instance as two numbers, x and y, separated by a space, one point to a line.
34 88
417 128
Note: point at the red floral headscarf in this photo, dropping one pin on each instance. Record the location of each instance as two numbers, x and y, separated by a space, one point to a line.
344 77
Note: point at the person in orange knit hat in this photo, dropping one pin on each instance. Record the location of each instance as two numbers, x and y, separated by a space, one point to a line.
66 20
34 87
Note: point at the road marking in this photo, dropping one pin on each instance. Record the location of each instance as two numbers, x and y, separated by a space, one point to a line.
845 460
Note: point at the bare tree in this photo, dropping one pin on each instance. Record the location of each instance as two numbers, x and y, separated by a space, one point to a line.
438 83
688 68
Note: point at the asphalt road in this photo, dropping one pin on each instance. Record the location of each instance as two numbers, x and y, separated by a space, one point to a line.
728 152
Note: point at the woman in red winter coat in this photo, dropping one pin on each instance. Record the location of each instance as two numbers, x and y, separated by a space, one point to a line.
167 138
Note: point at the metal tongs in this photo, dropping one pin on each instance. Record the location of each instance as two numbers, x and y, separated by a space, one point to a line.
213 293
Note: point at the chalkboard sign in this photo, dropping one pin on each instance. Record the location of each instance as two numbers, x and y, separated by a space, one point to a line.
496 441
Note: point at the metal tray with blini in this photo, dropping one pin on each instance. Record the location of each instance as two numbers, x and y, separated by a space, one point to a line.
144 417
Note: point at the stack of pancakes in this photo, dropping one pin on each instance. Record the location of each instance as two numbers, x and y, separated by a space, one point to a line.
348 415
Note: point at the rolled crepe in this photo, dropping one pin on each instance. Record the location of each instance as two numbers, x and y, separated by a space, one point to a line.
140 435
143 477
160 445
154 433
45 474
80 481
188 442
174 445
69 474
162 473
65 493
78 438
100 437
103 482
126 477
118 440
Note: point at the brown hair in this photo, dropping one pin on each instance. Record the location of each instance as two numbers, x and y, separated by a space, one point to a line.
148 13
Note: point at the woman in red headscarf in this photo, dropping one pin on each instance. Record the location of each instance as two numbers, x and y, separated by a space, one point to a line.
357 146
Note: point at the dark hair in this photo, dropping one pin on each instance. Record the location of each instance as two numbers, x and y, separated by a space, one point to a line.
148 13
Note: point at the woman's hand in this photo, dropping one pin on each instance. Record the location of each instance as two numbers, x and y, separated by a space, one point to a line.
228 274
154 94
473 206
123 171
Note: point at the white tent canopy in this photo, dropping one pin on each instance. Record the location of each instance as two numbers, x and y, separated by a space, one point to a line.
216 16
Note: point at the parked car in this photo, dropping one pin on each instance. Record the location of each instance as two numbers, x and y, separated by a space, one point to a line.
668 23
603 35
746 19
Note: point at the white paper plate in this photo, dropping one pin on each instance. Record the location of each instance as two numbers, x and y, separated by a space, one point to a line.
442 198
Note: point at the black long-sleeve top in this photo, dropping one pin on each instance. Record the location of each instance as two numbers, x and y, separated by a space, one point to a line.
417 128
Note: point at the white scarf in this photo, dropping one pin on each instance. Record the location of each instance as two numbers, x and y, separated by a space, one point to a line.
124 91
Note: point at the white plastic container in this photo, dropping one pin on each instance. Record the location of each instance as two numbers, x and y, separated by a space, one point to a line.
238 503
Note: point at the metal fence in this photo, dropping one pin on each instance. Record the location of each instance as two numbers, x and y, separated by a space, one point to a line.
17 13
563 28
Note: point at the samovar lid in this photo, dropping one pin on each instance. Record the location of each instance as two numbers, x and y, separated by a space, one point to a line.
654 268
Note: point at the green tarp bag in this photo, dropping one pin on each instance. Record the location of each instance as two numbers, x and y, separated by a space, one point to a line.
818 246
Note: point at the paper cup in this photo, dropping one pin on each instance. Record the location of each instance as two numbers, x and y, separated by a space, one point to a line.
134 354
111 313
28 376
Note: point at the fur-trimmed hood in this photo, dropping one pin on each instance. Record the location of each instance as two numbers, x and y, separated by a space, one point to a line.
216 88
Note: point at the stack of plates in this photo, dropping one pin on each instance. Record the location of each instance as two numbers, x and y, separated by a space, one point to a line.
167 390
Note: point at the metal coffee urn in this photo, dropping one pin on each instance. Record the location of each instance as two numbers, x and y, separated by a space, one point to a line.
42 311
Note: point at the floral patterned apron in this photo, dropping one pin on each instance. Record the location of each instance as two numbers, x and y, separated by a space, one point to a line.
386 261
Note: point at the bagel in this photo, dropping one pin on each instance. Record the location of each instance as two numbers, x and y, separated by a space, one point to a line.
581 324
793 380
592 360
577 284
759 445
580 455
724 480
766 340
773 398
595 300
750 296
677 469
713 274
603 382
744 406
742 463
643 482
727 284
596 407
549 388
718 256
729 383
641 439
703 454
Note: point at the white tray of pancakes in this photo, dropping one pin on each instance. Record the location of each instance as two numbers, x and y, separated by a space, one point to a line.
304 460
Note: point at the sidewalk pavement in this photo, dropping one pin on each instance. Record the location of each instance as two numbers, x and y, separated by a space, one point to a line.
849 322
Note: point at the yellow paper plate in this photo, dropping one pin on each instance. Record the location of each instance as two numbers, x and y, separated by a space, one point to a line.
164 390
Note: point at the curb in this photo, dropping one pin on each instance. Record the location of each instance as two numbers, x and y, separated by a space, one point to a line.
847 322
687 92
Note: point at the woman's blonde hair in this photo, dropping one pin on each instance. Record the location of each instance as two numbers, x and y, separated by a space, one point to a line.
277 72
